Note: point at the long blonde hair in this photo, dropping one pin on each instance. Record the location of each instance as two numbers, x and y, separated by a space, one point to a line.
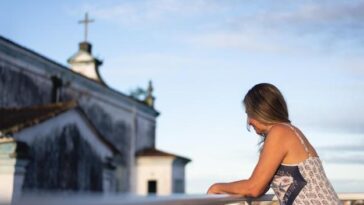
265 103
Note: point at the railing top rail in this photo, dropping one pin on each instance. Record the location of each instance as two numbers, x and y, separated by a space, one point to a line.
351 196
150 200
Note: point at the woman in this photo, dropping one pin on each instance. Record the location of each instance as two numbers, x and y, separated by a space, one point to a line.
287 160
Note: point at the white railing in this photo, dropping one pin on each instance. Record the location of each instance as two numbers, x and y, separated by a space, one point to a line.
66 199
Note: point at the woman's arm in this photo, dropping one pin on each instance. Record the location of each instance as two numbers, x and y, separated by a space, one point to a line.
234 188
273 153
238 187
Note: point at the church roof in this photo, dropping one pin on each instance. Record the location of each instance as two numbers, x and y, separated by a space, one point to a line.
15 119
54 68
153 152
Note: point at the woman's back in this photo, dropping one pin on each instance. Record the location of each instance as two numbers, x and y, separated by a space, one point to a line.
304 182
287 161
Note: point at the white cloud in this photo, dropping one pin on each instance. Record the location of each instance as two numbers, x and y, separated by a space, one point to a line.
348 185
144 13
350 159
236 40
344 116
326 22
331 27
238 25
349 153
310 16
347 147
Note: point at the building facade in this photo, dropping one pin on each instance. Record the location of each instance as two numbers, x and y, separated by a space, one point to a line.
102 123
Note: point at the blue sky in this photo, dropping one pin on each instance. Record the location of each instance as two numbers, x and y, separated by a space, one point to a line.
204 55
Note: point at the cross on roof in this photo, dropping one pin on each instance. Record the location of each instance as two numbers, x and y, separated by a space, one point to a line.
86 21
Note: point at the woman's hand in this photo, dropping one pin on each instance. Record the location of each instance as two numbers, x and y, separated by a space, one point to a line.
214 189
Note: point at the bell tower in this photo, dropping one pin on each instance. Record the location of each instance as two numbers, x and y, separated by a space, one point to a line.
83 62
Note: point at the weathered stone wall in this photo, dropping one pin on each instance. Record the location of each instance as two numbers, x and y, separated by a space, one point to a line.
118 131
63 162
17 89
145 134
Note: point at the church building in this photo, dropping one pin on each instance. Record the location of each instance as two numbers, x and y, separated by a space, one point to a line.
65 130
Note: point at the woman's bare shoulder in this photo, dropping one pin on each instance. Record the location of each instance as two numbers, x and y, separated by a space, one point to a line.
280 133
279 129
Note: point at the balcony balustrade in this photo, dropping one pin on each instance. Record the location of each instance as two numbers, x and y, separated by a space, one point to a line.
107 199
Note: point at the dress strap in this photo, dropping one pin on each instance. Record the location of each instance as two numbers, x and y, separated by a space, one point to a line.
299 137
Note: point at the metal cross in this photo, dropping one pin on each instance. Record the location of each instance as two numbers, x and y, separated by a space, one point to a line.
86 21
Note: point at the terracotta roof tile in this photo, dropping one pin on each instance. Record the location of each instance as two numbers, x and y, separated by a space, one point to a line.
6 139
158 153
15 119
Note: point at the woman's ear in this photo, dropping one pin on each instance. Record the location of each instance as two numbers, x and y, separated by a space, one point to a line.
252 121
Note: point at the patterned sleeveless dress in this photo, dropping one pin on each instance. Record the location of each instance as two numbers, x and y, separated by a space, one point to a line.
303 183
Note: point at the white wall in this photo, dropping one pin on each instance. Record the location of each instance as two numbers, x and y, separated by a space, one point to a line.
84 64
11 178
28 135
44 129
154 168
7 171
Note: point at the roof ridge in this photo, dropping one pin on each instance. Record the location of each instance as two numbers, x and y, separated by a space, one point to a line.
69 103
152 151
12 124
97 132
